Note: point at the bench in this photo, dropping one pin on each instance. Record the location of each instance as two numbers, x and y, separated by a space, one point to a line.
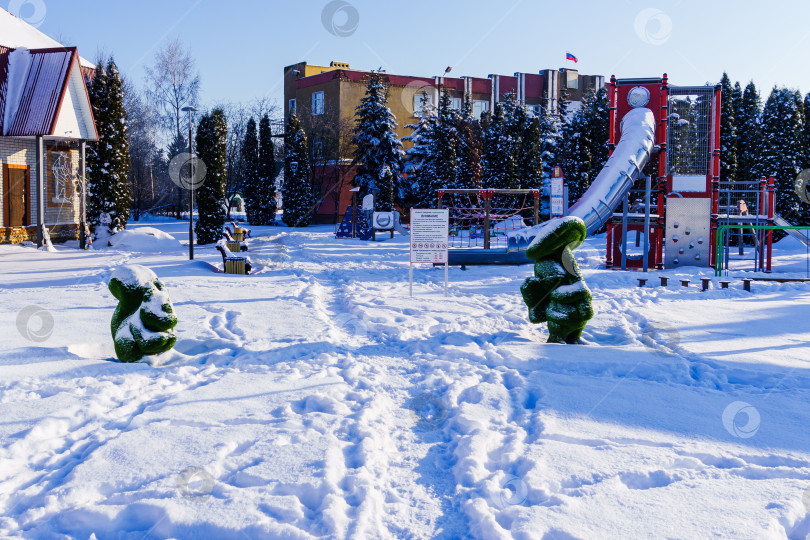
724 284
230 243
233 264
664 280
239 233
642 282
684 283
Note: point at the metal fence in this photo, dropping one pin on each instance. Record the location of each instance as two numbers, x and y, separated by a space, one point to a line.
689 130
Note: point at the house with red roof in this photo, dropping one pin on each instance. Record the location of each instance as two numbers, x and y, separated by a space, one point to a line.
45 123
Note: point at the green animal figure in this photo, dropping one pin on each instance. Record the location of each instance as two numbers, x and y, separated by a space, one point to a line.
557 294
143 321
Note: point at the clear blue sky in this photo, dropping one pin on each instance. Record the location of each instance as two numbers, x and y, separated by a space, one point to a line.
242 46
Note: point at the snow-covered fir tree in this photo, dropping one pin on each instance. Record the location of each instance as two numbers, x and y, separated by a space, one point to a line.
420 137
259 182
728 132
806 132
499 156
530 156
468 153
267 171
781 156
749 135
597 110
178 145
212 149
108 159
296 191
575 153
736 99
438 167
251 187
378 151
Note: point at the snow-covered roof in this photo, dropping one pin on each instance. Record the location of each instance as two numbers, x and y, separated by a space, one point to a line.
14 33
42 92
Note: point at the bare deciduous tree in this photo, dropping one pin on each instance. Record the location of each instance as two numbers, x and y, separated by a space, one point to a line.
173 82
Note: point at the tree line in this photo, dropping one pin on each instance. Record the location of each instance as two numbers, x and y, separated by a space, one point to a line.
759 140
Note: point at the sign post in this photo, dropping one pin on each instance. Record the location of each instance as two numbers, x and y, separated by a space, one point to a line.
557 203
430 233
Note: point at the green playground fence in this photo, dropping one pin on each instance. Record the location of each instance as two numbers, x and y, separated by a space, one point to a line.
721 230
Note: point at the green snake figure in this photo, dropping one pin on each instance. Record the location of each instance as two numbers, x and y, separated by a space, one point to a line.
143 321
557 294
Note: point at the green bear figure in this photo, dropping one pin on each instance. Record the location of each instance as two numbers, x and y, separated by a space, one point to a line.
557 293
143 321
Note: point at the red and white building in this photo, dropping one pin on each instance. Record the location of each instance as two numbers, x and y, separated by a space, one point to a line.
45 122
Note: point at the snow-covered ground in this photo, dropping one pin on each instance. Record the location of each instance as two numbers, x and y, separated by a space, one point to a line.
317 399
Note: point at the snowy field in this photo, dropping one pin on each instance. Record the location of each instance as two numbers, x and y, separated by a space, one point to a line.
316 399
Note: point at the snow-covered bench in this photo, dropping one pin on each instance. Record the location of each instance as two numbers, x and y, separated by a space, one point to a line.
239 233
233 245
233 264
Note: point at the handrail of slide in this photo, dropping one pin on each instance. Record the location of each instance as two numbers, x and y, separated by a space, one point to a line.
779 220
718 245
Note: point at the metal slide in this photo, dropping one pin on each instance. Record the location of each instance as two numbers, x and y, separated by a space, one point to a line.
597 205
779 220
620 172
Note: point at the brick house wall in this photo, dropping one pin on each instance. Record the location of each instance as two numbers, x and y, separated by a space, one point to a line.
61 215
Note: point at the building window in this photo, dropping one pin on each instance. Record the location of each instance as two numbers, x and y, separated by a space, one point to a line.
421 103
317 103
455 103
317 148
291 107
572 79
534 110
480 107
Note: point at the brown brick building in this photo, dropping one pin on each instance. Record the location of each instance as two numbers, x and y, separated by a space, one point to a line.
325 99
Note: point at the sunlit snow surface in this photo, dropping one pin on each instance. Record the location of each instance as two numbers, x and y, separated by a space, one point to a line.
316 399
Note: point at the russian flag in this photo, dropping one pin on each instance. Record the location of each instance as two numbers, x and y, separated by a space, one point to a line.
569 56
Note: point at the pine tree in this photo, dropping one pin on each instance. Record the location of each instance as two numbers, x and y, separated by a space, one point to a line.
178 146
598 114
782 147
212 150
749 136
420 137
576 154
108 159
728 132
468 153
267 172
499 156
438 167
251 186
378 151
296 192
736 99
530 157
806 132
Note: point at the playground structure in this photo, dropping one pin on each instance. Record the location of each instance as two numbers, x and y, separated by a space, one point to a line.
664 141
361 221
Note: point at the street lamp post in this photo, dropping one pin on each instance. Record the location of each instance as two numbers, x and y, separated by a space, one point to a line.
447 70
190 110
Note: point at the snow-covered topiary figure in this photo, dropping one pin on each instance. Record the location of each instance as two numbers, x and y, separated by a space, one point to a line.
557 294
143 321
